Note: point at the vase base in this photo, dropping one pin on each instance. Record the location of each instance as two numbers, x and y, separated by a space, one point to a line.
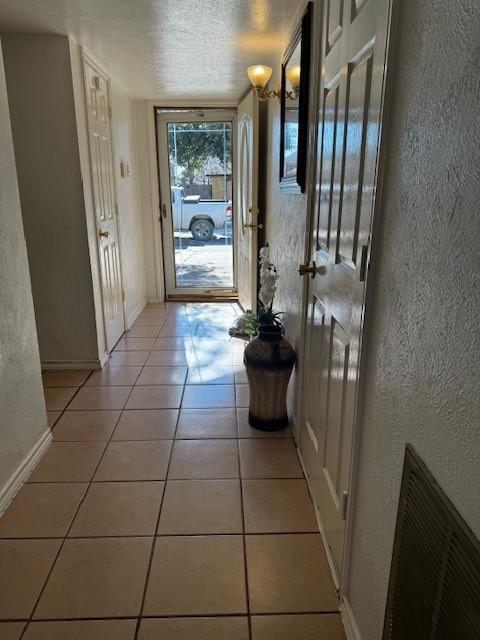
268 425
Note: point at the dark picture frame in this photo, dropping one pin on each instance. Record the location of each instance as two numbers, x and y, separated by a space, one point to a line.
294 108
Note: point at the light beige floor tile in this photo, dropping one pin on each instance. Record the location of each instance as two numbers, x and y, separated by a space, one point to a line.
177 331
289 573
269 459
231 628
242 395
276 506
199 396
204 459
119 509
65 377
100 398
11 630
211 375
201 506
196 576
179 343
97 577
143 332
207 423
68 462
155 397
146 424
42 510
114 376
57 398
86 425
134 344
82 630
305 627
135 461
24 566
128 359
168 359
52 417
246 431
162 375
241 376
148 321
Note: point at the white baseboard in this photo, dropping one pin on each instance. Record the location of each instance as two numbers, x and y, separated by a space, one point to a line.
133 315
21 475
68 364
351 629
154 300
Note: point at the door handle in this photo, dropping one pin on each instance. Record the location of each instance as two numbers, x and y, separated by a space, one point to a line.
248 225
307 269
103 234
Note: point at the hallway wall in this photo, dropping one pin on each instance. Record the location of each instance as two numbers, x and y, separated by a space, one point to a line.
285 218
23 421
424 351
129 203
41 100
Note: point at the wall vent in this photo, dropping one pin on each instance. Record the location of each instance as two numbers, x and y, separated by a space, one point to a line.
434 589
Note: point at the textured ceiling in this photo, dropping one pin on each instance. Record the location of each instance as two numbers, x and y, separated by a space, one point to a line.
170 49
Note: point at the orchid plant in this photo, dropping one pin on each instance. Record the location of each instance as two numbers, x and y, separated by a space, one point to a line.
266 295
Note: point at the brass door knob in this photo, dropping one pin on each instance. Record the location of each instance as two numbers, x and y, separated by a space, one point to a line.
103 234
307 269
248 225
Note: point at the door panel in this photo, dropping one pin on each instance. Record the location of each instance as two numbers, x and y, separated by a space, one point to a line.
349 125
104 197
247 209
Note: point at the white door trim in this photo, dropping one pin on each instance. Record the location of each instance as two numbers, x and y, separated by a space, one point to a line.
154 181
163 177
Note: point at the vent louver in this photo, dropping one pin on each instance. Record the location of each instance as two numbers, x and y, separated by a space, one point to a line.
434 589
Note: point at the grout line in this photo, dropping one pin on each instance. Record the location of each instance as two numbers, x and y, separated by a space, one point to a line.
179 616
244 540
152 551
32 613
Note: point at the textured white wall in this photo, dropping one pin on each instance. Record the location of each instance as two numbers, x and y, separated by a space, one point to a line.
130 212
423 377
23 419
41 100
286 218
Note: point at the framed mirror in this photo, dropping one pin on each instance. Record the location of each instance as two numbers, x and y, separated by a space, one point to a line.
294 107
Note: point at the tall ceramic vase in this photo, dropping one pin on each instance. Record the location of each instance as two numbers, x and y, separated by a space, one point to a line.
269 360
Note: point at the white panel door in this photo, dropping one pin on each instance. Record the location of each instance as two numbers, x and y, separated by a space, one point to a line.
247 201
101 161
355 36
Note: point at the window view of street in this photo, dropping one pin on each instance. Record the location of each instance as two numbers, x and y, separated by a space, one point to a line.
200 156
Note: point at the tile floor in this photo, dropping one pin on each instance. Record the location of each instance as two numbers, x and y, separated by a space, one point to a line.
157 512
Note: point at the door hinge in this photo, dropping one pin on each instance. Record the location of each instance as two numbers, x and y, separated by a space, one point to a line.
344 505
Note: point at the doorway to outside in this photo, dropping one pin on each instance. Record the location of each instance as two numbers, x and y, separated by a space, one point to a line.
196 168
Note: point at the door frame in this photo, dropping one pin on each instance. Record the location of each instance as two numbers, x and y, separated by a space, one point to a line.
342 582
151 107
87 58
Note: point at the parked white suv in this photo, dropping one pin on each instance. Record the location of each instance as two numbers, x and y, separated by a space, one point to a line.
200 217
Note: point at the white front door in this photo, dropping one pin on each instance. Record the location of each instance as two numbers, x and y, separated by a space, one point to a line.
352 80
247 201
101 159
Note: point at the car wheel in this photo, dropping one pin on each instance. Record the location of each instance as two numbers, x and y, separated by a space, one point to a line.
202 229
